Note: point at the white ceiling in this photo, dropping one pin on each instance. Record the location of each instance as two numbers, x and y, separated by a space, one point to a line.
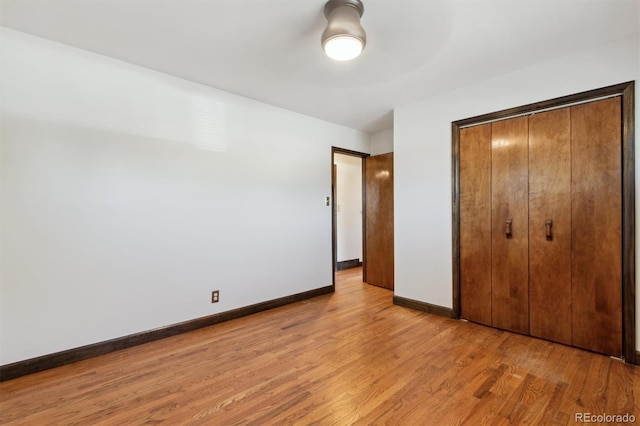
270 50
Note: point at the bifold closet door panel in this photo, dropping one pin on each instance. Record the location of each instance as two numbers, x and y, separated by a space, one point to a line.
510 223
550 225
596 226
475 223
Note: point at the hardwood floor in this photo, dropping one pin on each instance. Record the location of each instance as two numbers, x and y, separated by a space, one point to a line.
346 358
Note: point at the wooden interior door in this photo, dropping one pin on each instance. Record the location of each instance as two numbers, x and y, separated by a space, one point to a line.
509 241
550 243
378 251
475 223
597 226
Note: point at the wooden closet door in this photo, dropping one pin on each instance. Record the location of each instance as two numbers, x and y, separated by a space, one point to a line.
510 253
475 223
550 200
597 226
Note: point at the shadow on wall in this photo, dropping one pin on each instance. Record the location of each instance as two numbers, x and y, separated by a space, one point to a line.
80 91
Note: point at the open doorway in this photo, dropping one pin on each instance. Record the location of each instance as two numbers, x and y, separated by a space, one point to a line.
348 210
362 215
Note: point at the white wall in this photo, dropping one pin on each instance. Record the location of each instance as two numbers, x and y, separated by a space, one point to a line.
422 144
381 142
128 195
349 207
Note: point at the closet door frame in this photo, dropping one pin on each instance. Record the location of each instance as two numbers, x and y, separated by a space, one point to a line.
626 92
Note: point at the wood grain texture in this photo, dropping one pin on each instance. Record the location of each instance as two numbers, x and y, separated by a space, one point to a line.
45 362
423 306
475 224
351 357
626 91
455 219
549 103
597 226
550 199
509 199
628 223
378 251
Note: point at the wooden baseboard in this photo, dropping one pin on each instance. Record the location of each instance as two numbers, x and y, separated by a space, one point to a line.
45 362
423 306
637 360
348 264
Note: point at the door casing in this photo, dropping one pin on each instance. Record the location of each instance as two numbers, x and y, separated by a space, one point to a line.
334 226
626 92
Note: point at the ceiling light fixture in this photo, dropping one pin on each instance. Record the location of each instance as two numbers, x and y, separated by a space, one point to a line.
344 38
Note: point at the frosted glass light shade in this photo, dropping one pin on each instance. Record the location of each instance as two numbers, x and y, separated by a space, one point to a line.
343 38
343 48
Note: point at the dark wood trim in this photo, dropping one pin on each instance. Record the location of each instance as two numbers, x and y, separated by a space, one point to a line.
348 264
615 89
334 221
628 225
626 91
455 181
45 362
423 306
338 150
364 219
334 225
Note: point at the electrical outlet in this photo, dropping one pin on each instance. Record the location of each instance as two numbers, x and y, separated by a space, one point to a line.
215 296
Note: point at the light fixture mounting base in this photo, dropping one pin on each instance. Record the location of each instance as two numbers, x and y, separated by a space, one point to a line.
333 4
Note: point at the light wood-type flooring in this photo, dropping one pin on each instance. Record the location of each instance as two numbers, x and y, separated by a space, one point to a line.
347 358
